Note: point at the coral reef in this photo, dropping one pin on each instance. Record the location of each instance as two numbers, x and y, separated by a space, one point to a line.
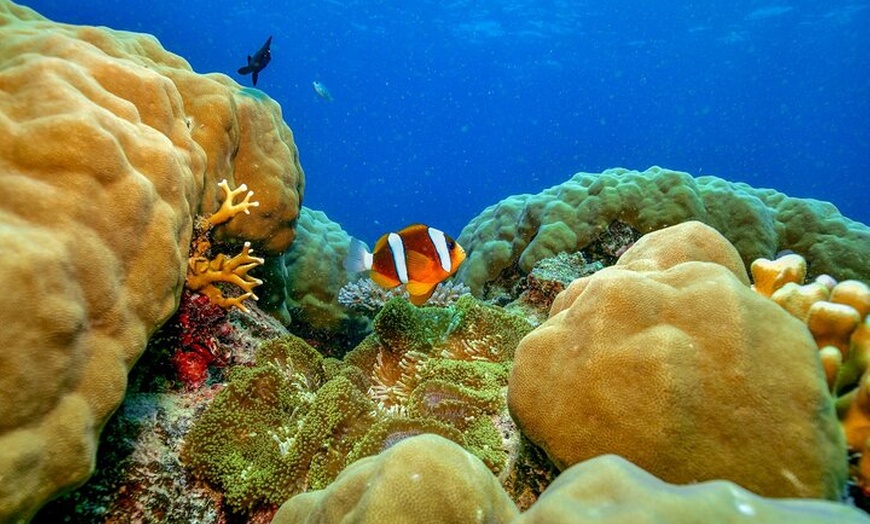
609 489
836 314
425 478
546 280
202 331
110 146
139 475
295 420
367 298
671 345
451 486
508 238
308 288
304 281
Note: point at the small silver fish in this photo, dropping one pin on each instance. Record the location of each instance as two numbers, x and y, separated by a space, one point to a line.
322 91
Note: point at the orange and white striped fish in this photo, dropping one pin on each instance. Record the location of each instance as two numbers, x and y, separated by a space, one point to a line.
420 257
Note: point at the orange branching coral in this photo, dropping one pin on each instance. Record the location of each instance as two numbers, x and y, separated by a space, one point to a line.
202 275
204 272
836 313
229 209
832 324
770 275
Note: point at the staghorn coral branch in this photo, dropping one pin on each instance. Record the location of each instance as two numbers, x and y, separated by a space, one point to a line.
203 274
228 209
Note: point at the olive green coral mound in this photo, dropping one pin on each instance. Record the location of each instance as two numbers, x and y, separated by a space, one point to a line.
304 281
294 421
524 229
610 490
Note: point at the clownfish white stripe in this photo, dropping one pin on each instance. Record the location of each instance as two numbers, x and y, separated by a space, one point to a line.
440 242
398 249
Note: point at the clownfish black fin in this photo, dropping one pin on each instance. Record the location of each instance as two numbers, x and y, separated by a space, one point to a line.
358 257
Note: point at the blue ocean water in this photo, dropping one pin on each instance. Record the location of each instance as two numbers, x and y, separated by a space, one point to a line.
442 108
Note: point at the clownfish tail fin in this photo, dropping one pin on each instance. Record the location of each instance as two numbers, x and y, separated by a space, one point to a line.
358 257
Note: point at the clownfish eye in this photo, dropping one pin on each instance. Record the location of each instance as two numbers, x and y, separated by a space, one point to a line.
450 243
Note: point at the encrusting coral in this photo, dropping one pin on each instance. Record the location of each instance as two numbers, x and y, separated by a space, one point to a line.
671 361
111 145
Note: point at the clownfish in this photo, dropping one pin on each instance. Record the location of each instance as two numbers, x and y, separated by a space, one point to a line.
418 256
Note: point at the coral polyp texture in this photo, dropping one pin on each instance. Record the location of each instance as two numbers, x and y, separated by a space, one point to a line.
111 145
447 485
670 360
836 314
295 420
302 284
521 230
425 478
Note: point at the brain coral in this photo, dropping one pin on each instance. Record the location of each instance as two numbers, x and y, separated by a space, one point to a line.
524 229
670 360
110 146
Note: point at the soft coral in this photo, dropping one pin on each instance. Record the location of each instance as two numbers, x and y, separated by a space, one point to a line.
201 328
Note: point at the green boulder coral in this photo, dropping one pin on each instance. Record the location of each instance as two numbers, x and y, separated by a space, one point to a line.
516 233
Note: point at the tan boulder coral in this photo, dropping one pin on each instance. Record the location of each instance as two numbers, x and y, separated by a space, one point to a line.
678 366
426 478
521 230
110 146
609 489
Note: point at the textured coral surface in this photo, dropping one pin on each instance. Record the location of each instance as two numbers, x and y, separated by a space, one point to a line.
425 478
110 146
523 229
671 361
429 479
610 490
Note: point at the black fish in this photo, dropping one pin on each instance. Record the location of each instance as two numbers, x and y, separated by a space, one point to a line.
258 62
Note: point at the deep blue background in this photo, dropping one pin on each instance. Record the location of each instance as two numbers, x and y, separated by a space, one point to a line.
445 107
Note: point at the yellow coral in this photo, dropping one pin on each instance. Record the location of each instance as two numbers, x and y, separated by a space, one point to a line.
770 275
852 293
832 324
797 299
228 208
854 408
203 274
